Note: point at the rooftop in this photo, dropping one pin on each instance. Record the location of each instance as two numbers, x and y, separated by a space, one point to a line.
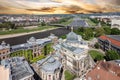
114 39
75 50
4 45
79 23
18 66
30 44
72 37
105 71
49 64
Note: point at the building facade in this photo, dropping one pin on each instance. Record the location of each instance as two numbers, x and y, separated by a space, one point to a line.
74 51
36 45
49 68
4 73
115 23
4 50
110 42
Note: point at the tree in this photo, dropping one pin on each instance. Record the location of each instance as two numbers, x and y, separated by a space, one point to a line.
88 34
97 46
107 30
43 23
81 29
112 55
115 31
99 32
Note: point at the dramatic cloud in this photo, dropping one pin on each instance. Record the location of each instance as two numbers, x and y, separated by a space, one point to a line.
58 6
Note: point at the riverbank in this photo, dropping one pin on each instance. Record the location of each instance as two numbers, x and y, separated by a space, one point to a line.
25 33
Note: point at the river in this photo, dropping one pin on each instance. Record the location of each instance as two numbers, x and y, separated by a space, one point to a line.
23 39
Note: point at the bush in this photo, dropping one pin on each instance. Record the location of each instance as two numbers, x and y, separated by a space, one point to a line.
69 75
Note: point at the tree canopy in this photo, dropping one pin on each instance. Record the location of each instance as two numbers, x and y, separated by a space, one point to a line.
112 55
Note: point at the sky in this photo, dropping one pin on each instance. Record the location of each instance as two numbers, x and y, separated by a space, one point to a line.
58 6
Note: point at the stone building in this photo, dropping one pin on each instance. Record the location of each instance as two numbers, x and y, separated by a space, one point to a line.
105 71
49 68
53 38
36 48
4 73
75 54
110 42
19 69
115 23
4 50
36 45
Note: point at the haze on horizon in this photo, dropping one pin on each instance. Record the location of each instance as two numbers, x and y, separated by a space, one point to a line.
58 6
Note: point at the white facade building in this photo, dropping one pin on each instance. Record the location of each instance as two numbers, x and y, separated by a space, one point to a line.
75 54
115 23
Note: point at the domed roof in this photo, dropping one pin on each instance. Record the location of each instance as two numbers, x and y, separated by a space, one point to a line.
32 39
72 36
51 60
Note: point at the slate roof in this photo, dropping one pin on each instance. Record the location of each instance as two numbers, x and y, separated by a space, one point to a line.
75 50
77 22
49 64
30 43
72 37
19 67
4 45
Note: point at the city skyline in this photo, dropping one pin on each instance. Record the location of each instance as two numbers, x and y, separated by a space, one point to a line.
58 6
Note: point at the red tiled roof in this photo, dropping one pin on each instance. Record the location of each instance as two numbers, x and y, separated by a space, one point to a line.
113 41
104 71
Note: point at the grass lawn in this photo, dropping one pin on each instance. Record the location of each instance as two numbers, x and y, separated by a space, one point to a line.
21 30
63 36
69 75
28 55
96 55
37 58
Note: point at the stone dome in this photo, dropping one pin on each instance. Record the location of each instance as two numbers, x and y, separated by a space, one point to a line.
72 37
32 39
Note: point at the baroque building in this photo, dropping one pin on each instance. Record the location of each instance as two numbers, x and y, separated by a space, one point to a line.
49 68
75 54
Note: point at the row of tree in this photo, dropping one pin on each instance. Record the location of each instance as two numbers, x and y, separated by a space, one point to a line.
88 33
8 25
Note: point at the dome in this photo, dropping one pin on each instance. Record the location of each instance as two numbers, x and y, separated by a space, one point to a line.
72 37
3 43
32 39
51 60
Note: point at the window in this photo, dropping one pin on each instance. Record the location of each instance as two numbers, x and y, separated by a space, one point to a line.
3 57
49 77
56 75
98 76
3 52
